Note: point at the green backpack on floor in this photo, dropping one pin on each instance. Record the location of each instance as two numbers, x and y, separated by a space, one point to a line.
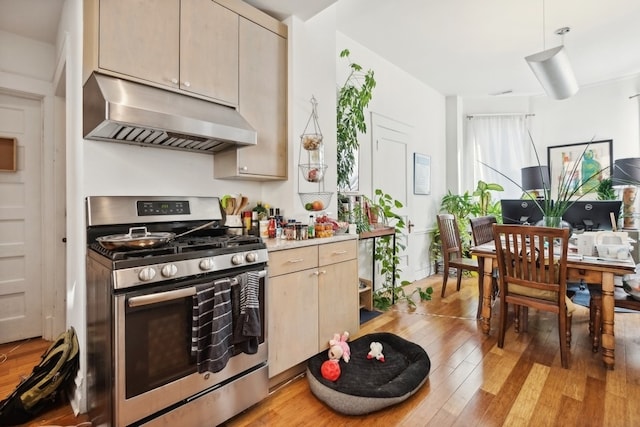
57 368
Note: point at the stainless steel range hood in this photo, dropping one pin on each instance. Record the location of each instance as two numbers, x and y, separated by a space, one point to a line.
119 110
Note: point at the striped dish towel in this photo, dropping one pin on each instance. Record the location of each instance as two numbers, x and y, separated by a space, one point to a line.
211 334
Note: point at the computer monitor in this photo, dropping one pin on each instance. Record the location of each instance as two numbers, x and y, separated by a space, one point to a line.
520 211
592 215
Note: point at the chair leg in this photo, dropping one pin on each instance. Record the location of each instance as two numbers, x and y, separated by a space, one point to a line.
480 295
459 281
502 327
516 318
445 277
569 321
563 336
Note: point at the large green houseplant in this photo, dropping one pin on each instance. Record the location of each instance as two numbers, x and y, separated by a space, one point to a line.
353 97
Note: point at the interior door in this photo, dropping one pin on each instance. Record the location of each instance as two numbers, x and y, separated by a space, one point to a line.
390 173
20 222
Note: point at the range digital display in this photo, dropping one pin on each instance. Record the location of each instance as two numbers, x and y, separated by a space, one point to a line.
170 207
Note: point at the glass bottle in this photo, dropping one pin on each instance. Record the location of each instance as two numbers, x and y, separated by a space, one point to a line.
311 231
271 228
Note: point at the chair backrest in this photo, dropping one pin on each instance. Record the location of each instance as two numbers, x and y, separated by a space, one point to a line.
482 229
449 236
533 265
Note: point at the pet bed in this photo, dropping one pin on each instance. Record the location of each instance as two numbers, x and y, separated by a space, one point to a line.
368 385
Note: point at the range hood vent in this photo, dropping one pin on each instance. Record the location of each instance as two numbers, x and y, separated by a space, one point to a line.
119 110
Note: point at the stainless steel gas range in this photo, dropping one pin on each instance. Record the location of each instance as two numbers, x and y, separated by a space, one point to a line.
152 349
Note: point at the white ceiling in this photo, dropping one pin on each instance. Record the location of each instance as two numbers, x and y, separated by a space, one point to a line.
458 47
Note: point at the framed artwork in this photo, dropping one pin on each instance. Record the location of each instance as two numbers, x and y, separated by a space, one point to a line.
584 159
421 174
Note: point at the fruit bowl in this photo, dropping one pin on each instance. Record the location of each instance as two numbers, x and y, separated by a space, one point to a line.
311 141
313 172
314 202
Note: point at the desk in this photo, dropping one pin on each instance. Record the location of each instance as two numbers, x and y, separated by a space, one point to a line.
373 234
590 271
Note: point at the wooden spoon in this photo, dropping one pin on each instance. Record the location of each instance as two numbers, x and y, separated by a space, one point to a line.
244 201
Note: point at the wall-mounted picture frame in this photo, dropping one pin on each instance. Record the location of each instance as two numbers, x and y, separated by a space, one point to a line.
592 156
421 174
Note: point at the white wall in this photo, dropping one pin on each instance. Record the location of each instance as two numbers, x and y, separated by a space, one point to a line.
597 112
602 111
403 98
26 57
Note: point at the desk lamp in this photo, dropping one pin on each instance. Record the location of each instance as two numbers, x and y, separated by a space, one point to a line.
626 173
534 179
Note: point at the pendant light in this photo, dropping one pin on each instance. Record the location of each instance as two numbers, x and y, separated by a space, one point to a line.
552 67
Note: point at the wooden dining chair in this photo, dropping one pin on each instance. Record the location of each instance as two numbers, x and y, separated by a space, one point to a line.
532 264
620 300
482 232
452 250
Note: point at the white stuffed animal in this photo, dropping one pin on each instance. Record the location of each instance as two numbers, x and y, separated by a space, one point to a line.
376 351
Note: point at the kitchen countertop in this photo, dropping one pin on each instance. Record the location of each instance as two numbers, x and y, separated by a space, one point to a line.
283 244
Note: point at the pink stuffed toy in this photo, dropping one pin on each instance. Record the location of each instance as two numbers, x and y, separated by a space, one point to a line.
338 347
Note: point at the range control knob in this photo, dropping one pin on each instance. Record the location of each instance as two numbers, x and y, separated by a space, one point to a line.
251 257
237 259
169 270
146 274
206 264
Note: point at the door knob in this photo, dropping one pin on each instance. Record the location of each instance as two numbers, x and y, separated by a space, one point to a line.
410 225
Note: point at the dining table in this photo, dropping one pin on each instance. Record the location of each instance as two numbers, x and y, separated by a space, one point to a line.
592 270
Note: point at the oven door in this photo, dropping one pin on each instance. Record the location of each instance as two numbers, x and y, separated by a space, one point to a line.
154 368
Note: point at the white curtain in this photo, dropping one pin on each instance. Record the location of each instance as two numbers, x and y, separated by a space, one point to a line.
502 143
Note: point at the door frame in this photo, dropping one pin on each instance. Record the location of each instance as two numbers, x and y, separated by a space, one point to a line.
53 305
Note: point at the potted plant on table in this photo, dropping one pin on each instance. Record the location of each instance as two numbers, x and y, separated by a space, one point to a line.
569 189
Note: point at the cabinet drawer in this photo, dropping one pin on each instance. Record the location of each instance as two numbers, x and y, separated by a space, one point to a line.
288 261
332 253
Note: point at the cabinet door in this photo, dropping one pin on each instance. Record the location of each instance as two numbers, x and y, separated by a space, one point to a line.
338 301
140 38
263 99
209 50
292 308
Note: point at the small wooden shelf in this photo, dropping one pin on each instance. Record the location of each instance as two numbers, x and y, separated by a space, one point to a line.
366 294
8 148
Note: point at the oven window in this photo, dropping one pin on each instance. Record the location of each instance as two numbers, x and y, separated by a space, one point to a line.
157 345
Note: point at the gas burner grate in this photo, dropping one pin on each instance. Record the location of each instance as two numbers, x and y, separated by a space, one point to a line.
122 254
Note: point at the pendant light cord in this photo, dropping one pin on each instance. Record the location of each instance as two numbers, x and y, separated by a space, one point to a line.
544 29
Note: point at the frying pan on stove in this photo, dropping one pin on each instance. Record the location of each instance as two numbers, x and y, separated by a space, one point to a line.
141 238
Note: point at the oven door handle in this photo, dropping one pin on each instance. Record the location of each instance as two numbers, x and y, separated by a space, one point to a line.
161 297
172 295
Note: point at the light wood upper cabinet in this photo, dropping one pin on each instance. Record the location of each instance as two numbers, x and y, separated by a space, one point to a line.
140 38
209 50
188 45
263 102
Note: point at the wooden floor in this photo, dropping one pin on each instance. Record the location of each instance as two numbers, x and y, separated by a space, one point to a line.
472 382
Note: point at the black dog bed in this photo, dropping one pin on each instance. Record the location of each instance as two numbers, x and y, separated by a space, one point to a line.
368 385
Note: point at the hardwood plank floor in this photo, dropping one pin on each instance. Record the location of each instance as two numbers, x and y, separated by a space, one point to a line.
17 360
472 382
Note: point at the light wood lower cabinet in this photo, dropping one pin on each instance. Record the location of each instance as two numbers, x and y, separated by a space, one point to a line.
312 294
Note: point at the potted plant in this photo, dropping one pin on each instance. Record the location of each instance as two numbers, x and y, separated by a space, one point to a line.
353 98
463 206
568 191
387 255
